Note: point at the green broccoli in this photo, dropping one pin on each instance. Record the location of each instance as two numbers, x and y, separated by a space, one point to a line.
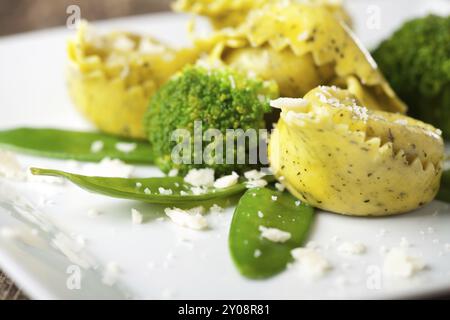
416 62
221 99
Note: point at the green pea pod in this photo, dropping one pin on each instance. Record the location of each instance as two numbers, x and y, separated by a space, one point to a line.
257 257
76 145
444 191
135 189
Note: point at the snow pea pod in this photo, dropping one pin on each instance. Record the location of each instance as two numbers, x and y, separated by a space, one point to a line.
257 257
76 145
444 191
160 190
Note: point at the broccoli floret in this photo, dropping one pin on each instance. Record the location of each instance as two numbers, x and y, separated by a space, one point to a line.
221 99
416 62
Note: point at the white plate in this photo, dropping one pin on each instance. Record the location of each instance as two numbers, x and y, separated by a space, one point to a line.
158 259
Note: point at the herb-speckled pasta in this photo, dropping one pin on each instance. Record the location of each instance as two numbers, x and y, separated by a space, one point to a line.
341 157
231 13
112 77
303 45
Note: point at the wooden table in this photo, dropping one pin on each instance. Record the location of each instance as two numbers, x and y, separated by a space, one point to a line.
8 291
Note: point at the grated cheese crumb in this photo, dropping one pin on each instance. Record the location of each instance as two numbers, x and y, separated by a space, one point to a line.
198 190
97 146
125 147
254 175
398 263
310 262
303 36
165 192
200 177
187 219
274 234
261 183
352 248
136 217
226 181
288 103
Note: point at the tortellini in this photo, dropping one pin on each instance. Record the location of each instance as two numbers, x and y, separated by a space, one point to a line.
304 45
337 155
232 13
112 77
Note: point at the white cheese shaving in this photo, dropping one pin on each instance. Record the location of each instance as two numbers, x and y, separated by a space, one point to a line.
398 263
352 248
254 175
257 253
289 103
280 187
97 146
303 36
198 190
165 192
261 183
260 214
173 173
187 219
274 234
136 216
226 181
111 273
310 263
200 177
126 147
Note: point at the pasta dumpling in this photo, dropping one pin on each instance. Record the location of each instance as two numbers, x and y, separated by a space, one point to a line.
337 155
232 13
111 77
303 45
